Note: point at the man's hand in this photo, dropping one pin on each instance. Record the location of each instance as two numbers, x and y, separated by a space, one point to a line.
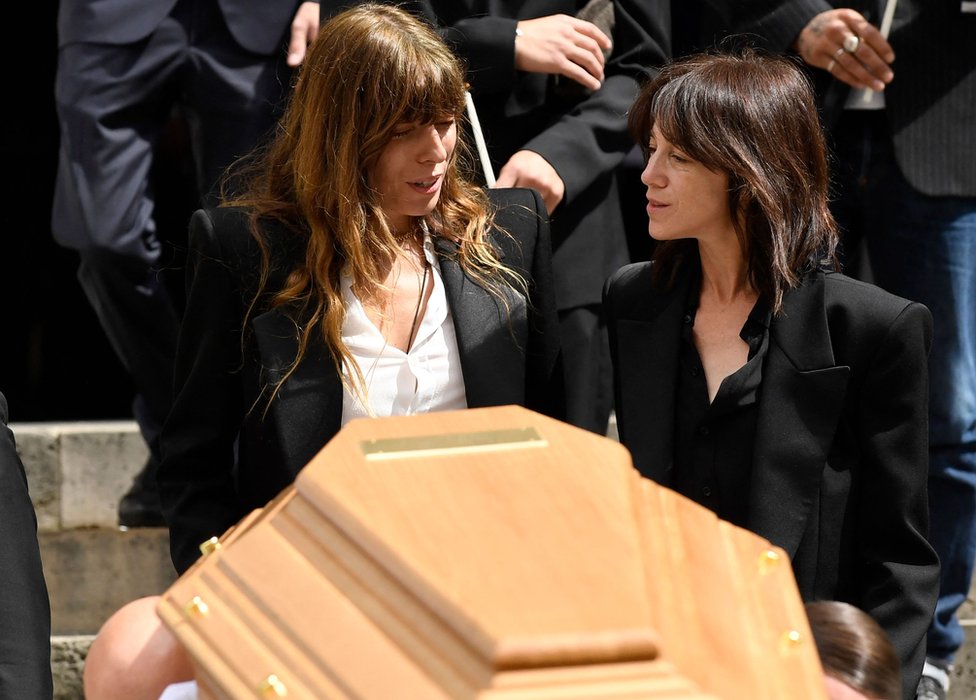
529 169
821 44
562 45
304 29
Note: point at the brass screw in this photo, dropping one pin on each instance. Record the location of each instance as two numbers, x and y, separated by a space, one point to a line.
210 546
790 641
769 561
272 687
196 607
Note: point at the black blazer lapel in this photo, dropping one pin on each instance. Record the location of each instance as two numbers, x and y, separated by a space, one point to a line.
800 407
491 340
307 412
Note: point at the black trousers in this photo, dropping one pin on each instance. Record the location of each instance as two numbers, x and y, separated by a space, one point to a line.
113 101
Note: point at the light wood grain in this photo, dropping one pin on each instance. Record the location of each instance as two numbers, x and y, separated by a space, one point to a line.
537 571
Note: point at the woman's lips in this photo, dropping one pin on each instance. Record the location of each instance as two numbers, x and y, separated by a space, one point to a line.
653 206
427 185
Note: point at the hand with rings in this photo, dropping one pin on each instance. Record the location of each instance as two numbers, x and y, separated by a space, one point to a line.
846 45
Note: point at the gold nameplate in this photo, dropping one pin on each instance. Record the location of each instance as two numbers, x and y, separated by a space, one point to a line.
453 444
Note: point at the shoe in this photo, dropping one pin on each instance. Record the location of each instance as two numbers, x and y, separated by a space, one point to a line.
935 682
140 506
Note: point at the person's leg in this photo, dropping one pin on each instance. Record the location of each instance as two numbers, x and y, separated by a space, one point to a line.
924 248
112 102
134 656
232 97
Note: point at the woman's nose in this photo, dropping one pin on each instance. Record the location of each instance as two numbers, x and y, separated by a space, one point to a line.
433 148
651 175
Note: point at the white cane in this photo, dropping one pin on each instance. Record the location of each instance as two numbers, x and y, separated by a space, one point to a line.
867 95
479 139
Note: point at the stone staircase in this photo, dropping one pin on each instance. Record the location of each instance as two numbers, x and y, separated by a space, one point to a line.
77 473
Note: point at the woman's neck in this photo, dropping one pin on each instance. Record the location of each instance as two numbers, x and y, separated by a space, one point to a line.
725 272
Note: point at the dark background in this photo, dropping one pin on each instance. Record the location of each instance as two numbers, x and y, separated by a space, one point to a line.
55 363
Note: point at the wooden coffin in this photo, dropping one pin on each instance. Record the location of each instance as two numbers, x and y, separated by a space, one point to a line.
493 554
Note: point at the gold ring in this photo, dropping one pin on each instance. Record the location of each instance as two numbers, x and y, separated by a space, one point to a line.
851 42
830 66
839 52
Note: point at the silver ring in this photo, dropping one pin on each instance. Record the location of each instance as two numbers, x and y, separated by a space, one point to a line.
830 66
851 42
839 52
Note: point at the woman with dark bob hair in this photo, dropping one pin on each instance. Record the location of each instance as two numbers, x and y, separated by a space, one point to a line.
858 660
750 375
356 272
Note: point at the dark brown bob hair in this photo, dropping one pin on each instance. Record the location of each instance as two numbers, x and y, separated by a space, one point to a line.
854 649
752 116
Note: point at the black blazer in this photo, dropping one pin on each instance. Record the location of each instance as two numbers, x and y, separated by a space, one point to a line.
25 613
841 450
223 375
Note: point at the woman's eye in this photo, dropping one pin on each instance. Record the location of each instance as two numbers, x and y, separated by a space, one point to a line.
400 132
678 158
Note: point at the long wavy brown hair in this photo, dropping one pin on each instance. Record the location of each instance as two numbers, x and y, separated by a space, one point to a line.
371 68
752 116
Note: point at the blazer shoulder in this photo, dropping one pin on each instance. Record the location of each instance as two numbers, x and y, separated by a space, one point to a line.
514 207
862 319
868 305
628 289
227 233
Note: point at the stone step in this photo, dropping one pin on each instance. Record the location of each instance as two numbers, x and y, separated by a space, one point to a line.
78 471
68 654
93 572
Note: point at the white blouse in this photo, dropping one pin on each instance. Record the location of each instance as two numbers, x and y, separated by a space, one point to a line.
426 378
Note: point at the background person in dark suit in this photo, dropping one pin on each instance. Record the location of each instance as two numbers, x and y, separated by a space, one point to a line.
25 633
789 399
906 183
553 108
122 67
359 274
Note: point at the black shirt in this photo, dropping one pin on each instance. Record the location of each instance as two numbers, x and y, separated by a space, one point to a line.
714 441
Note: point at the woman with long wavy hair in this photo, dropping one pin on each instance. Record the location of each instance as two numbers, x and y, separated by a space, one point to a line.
352 271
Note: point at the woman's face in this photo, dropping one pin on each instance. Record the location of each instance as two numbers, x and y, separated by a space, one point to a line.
410 170
684 198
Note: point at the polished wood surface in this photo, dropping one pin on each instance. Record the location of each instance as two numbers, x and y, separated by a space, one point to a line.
427 557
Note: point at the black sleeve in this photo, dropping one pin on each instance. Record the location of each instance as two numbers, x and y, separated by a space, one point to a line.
899 574
589 140
545 390
196 475
25 613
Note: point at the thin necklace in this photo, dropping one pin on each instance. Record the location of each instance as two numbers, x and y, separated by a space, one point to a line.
420 302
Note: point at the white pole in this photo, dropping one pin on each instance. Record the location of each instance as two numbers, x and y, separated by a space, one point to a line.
479 139
867 94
